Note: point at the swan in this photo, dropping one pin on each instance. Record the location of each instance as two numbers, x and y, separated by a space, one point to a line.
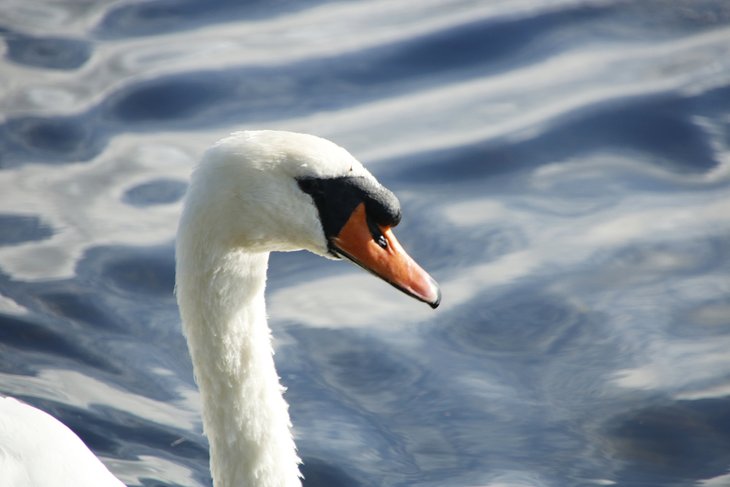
254 192
37 450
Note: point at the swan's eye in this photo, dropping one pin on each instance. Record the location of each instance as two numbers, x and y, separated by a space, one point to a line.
377 234
337 198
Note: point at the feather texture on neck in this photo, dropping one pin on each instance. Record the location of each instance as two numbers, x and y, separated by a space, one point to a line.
221 298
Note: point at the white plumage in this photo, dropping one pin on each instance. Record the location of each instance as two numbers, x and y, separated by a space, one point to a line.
37 450
243 202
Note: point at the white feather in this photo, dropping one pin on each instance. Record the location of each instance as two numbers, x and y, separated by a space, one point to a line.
38 450
243 202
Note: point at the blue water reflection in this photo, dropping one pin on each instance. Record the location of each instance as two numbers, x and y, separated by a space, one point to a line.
564 170
47 52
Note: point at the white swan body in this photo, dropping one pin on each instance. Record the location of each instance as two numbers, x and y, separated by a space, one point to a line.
253 193
38 450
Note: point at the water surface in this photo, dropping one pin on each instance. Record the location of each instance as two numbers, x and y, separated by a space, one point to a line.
564 171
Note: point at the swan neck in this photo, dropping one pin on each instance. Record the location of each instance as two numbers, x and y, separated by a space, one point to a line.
245 417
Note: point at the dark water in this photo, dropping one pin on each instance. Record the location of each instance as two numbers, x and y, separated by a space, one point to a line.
564 169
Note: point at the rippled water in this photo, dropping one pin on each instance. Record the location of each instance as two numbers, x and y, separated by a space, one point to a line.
564 168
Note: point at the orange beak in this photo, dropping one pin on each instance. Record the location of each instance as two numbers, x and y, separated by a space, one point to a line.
386 259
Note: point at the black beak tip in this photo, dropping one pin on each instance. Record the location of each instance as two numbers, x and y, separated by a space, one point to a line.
435 303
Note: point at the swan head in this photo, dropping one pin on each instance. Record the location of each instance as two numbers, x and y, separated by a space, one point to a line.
268 191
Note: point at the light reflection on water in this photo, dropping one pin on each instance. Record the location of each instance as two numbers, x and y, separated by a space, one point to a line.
564 173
